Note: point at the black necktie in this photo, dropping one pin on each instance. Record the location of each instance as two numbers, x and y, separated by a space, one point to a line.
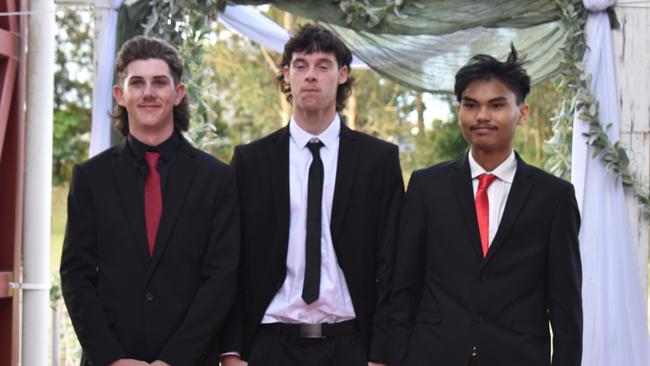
311 285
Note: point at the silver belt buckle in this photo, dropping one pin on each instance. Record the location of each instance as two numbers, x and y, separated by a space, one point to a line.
311 331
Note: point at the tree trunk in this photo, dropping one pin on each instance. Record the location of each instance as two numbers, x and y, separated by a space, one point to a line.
351 110
419 106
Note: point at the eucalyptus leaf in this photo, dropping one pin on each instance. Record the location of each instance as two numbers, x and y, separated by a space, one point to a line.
584 117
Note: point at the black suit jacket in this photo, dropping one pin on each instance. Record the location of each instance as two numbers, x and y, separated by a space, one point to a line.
125 303
367 193
448 298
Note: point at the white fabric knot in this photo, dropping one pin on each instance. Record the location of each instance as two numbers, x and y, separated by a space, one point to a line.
598 5
116 4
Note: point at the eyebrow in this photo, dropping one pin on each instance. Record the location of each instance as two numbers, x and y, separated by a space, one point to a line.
497 99
161 76
154 78
320 60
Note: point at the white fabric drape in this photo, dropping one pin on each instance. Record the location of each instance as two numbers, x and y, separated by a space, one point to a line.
100 132
255 26
615 328
248 22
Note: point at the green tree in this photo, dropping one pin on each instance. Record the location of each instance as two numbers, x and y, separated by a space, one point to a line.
530 138
72 89
443 141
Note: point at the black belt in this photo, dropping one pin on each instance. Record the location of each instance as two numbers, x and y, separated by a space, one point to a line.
324 330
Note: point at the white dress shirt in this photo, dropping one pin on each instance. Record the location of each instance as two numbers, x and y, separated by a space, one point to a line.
497 191
334 303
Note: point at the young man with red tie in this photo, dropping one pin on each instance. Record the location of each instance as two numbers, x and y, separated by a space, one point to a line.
149 263
488 252
319 215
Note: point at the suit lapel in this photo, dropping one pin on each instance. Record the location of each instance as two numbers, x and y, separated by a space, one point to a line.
462 183
178 182
279 154
346 166
521 187
124 172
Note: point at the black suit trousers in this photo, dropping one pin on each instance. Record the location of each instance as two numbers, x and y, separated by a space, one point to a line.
274 349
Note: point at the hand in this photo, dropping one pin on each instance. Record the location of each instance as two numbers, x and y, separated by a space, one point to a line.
128 362
159 363
232 360
376 364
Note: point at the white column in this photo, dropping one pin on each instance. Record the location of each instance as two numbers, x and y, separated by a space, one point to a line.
632 52
38 182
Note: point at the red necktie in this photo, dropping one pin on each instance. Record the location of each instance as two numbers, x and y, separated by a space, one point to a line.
152 198
483 209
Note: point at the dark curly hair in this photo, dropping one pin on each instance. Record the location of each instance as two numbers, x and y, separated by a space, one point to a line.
143 48
485 67
312 38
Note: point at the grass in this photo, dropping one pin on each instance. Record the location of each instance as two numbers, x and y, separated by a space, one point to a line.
59 217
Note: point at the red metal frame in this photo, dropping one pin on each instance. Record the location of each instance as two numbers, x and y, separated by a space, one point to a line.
12 129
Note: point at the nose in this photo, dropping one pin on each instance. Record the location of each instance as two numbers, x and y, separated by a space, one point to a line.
149 91
310 74
483 114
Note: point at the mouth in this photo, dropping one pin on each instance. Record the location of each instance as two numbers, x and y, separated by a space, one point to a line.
148 107
483 129
310 90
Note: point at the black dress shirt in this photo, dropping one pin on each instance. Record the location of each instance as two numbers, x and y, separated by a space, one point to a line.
167 150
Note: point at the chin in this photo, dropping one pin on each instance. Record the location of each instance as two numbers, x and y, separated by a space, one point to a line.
476 145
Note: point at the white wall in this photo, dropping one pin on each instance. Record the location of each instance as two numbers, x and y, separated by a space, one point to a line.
632 53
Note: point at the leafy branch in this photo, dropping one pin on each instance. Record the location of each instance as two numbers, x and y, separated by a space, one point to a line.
186 24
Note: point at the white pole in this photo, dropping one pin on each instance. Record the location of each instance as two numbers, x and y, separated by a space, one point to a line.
56 333
38 182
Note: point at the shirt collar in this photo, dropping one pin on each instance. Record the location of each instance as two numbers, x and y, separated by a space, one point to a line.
327 137
166 148
505 171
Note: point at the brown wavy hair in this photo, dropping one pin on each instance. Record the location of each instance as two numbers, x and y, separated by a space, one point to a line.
312 38
143 48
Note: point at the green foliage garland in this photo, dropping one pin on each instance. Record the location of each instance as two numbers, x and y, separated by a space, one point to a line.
574 84
371 12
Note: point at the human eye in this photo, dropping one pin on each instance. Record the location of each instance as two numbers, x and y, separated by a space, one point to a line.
497 105
136 82
160 82
466 104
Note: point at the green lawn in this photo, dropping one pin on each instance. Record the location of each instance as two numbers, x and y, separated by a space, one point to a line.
59 217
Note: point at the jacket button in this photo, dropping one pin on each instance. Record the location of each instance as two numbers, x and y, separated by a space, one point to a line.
478 318
149 296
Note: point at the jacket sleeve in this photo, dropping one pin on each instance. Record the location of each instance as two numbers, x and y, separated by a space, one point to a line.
232 333
408 274
79 266
565 283
391 196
